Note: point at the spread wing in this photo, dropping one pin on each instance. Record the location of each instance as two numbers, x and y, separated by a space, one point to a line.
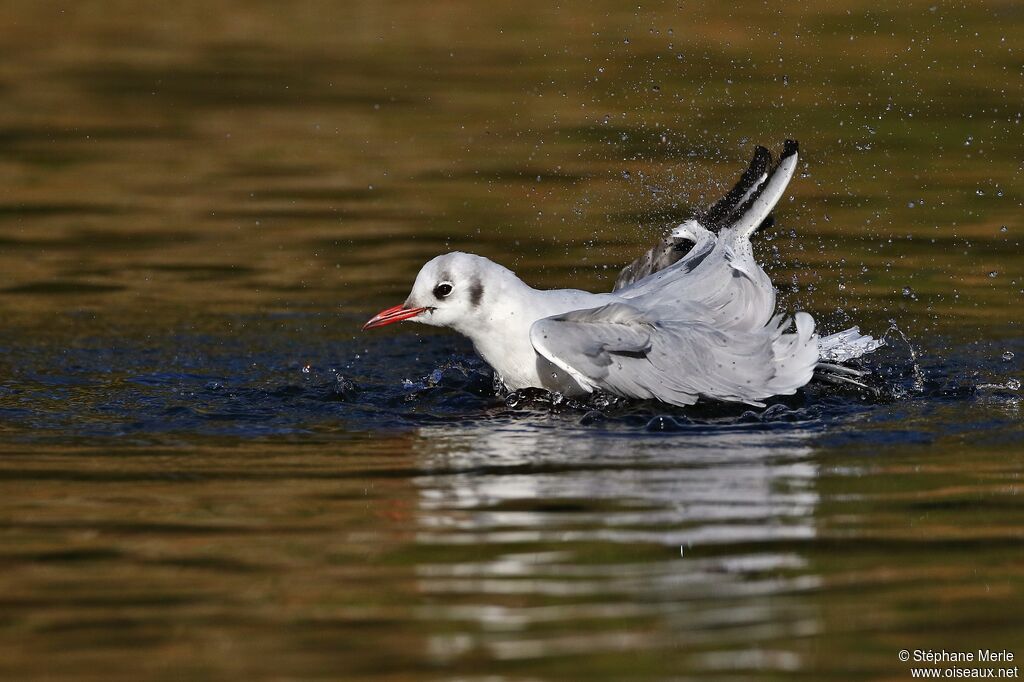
676 354
720 271
674 246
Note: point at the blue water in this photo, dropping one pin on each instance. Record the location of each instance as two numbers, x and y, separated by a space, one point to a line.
308 376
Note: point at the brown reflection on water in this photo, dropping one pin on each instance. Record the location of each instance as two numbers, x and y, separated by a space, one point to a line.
205 563
748 553
257 158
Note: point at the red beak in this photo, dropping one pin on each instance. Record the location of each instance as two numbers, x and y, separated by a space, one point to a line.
392 315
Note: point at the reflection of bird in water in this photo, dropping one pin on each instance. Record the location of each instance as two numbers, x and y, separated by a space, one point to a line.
690 534
716 485
683 321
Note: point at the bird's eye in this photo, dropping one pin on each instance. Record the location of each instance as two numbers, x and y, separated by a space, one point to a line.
442 290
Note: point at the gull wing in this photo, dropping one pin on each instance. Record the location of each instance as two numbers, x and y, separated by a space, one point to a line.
757 208
629 352
674 246
719 214
720 271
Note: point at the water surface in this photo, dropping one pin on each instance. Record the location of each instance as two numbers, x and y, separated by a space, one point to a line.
208 472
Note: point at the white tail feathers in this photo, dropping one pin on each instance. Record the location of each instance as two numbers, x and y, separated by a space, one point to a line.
846 345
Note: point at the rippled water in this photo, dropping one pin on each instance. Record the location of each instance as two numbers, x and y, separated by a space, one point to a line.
208 472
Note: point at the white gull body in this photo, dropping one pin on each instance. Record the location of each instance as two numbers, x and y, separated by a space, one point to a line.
680 325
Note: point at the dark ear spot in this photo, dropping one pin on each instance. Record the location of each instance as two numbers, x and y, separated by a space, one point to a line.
476 292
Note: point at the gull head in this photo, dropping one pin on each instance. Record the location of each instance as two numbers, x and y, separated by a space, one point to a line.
449 291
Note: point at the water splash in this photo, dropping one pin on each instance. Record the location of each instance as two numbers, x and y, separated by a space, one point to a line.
918 373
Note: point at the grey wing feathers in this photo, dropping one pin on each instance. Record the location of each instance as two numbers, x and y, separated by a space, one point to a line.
698 321
658 257
673 247
648 355
720 271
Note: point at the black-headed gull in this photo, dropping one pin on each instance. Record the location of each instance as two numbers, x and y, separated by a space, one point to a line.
692 318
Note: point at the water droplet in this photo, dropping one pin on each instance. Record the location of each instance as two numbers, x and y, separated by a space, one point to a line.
907 291
993 274
1013 384
1007 356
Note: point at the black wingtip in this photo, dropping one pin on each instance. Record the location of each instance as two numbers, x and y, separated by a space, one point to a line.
759 165
762 158
789 149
